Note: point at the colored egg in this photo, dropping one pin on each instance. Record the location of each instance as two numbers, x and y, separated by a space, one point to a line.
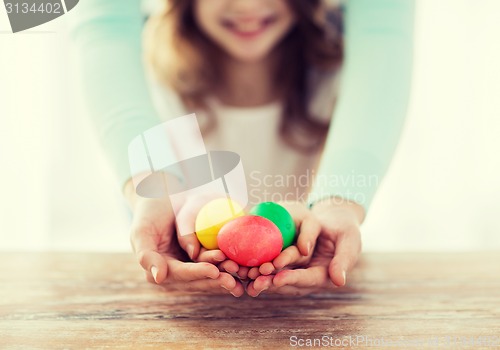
280 217
250 240
212 216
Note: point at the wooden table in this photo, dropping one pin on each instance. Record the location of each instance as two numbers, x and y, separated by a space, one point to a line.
63 300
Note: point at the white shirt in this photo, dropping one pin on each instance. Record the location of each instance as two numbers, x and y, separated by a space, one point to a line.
274 170
272 167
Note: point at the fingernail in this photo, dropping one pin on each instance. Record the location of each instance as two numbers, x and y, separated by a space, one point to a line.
309 246
344 276
225 288
190 250
234 295
266 288
154 272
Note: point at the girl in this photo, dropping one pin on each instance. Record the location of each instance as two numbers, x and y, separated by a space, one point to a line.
262 77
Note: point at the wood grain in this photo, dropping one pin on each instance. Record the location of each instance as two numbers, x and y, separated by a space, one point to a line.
72 301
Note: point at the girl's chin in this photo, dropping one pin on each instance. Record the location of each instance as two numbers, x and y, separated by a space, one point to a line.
249 55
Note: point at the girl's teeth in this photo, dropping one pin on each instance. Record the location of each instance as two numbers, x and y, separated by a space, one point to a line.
248 27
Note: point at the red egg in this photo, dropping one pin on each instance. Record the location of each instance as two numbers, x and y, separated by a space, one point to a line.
250 240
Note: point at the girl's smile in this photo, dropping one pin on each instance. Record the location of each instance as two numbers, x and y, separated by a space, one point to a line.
248 27
246 31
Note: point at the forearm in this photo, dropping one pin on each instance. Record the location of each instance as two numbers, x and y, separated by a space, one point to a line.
107 35
373 100
338 205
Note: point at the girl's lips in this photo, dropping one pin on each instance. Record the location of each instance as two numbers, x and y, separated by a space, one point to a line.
248 30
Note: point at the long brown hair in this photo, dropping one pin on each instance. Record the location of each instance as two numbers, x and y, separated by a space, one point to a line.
185 59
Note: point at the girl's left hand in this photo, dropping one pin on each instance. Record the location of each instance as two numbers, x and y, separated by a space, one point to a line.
337 251
299 254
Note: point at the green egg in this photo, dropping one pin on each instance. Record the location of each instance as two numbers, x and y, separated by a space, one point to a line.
280 217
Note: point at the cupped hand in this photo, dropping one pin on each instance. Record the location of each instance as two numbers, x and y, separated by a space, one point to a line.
337 250
157 247
300 253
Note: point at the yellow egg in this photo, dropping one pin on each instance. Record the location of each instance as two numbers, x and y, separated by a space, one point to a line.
212 216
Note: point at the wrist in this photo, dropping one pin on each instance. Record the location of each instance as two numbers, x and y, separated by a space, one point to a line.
159 193
339 205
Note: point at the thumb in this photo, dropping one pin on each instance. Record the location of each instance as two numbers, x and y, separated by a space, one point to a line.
185 222
347 251
145 246
190 244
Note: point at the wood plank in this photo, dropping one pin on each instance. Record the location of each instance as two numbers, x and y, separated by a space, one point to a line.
63 300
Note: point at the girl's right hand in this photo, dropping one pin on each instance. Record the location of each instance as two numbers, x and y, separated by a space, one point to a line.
294 256
158 250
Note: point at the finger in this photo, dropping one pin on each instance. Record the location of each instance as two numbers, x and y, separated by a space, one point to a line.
238 290
347 251
253 273
263 283
145 246
225 283
309 231
291 290
183 272
289 256
229 266
214 256
230 284
190 244
149 277
251 290
207 285
272 289
312 277
243 272
266 268
185 220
